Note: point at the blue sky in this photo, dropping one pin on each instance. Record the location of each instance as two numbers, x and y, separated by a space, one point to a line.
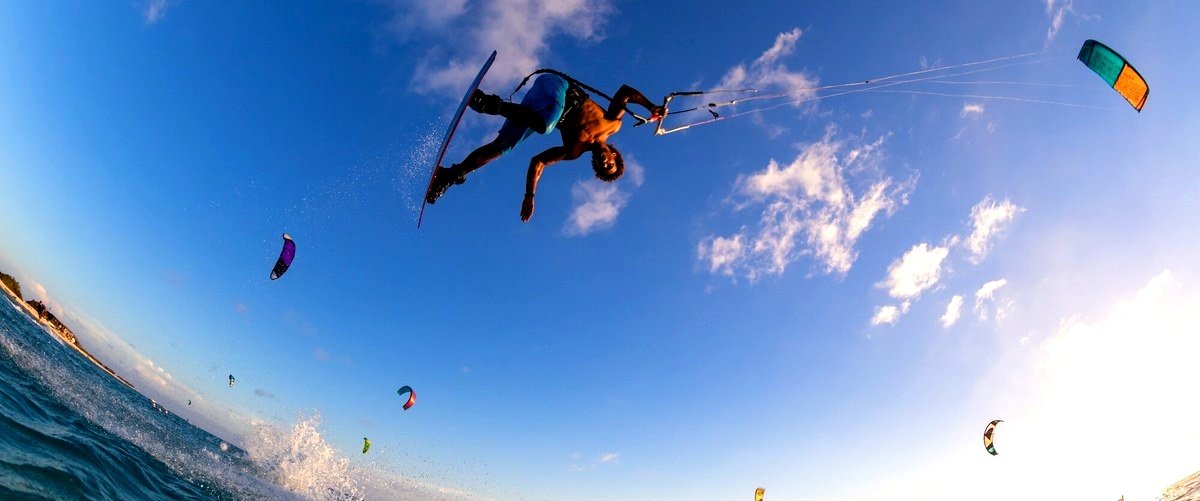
766 300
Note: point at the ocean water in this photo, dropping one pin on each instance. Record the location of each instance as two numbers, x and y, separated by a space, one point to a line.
70 431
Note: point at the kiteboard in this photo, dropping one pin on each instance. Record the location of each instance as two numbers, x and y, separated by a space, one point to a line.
462 106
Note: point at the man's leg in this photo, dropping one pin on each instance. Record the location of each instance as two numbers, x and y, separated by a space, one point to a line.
522 114
522 121
478 158
456 174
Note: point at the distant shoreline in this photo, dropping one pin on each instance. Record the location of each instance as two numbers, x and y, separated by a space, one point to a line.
33 315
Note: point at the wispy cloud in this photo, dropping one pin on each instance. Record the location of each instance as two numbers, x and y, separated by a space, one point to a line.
808 208
263 393
953 311
520 30
598 204
917 270
988 305
768 71
154 10
1099 377
606 458
989 218
35 290
322 354
971 110
1126 376
410 16
889 314
1057 10
295 320
921 267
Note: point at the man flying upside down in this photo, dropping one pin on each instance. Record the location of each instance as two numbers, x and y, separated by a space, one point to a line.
553 102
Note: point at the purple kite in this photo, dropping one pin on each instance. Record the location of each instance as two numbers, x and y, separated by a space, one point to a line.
285 257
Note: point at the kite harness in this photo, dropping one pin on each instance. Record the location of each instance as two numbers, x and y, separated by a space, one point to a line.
576 96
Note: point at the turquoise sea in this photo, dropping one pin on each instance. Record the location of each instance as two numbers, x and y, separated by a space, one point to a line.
70 431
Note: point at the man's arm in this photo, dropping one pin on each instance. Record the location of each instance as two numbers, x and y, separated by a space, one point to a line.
536 165
627 94
539 162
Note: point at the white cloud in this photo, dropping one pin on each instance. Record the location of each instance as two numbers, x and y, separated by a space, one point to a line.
154 10
953 311
889 314
972 110
1127 377
410 16
1123 381
885 315
920 268
722 253
1057 14
520 30
808 209
917 270
989 218
39 293
597 203
988 290
767 72
602 459
986 296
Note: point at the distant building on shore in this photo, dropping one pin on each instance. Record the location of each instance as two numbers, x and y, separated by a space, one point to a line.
60 328
41 313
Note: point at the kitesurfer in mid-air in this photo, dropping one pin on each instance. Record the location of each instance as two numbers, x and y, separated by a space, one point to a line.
552 102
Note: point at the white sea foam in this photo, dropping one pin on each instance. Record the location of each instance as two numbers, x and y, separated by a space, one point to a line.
280 461
300 460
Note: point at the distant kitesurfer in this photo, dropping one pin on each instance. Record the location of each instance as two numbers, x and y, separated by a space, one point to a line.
552 102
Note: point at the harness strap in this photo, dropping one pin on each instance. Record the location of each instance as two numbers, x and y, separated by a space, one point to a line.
574 82
573 102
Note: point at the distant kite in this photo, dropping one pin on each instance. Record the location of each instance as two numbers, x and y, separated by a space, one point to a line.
366 445
285 257
1115 70
412 396
987 436
758 494
231 380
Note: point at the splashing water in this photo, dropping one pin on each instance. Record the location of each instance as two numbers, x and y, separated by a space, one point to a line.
300 460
